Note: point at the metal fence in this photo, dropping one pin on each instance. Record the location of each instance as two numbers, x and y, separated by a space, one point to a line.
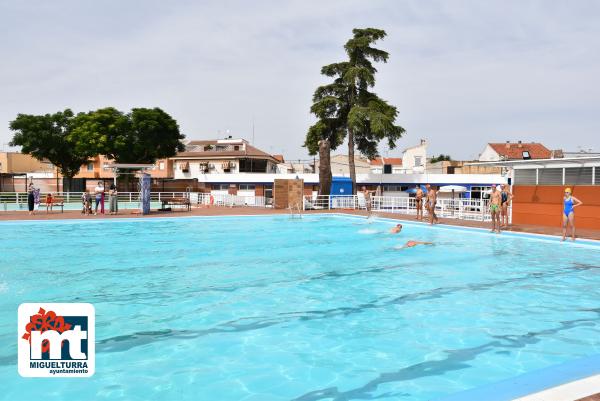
459 208
11 201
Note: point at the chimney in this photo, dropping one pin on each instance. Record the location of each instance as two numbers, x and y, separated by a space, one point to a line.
520 144
507 144
423 141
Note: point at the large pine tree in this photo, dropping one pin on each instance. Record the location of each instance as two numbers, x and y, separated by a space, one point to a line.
347 108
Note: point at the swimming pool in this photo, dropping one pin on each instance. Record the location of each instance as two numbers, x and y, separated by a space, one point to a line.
318 308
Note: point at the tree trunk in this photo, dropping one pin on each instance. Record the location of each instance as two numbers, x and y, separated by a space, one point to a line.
324 167
351 165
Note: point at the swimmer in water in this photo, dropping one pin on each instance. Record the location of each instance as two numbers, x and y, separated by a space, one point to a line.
411 243
396 229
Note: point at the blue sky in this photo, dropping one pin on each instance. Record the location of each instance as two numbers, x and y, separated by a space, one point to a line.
462 73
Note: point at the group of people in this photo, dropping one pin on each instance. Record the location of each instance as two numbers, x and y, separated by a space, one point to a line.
409 244
98 200
500 200
429 197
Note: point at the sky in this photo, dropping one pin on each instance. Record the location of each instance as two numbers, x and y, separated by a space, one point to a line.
461 73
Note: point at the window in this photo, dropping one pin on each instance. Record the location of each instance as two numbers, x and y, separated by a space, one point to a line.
480 192
247 187
550 176
395 188
579 175
387 169
236 147
526 155
220 187
161 165
418 161
90 167
253 166
268 191
525 176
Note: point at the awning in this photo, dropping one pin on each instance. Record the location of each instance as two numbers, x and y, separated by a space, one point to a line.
453 188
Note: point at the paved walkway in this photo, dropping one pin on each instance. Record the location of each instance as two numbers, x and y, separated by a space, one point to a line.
227 211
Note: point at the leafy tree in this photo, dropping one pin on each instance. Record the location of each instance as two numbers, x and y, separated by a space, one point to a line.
68 141
49 137
441 157
349 108
141 136
327 133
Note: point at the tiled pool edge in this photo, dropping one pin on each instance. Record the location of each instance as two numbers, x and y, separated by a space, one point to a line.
525 387
548 237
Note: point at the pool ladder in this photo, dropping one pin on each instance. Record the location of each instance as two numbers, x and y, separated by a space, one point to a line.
295 211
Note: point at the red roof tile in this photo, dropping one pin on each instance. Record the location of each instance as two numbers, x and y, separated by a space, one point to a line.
513 151
394 161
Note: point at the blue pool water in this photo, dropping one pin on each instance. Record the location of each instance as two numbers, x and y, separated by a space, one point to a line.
322 308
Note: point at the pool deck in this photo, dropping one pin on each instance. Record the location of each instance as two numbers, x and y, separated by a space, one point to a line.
228 211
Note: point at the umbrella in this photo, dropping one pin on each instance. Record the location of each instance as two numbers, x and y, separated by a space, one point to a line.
413 190
453 188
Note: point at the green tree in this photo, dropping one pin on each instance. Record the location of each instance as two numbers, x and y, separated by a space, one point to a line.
350 107
141 136
440 158
49 137
328 132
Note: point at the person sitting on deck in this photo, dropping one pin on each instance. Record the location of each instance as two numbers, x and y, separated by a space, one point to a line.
49 201
86 200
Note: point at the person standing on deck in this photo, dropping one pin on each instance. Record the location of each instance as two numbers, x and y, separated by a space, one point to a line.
31 198
495 205
112 199
36 199
506 197
419 200
569 204
431 201
367 195
98 192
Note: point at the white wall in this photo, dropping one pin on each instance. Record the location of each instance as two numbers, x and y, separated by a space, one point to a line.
409 155
489 155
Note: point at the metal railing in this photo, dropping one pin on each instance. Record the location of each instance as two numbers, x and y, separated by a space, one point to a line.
10 201
458 208
207 199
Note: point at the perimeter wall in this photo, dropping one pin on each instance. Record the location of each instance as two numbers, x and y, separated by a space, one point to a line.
542 205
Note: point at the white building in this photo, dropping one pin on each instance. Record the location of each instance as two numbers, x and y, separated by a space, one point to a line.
414 158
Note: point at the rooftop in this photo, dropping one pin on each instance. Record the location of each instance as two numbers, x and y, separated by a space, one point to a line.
510 150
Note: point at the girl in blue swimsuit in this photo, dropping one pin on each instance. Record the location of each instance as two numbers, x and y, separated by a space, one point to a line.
569 204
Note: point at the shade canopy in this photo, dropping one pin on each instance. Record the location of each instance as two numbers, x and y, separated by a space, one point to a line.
453 188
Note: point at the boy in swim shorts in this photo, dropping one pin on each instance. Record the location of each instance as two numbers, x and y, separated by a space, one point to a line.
495 206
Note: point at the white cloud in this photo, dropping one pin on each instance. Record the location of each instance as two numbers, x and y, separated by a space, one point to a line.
461 73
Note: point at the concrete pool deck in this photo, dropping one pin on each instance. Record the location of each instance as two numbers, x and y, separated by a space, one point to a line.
227 211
